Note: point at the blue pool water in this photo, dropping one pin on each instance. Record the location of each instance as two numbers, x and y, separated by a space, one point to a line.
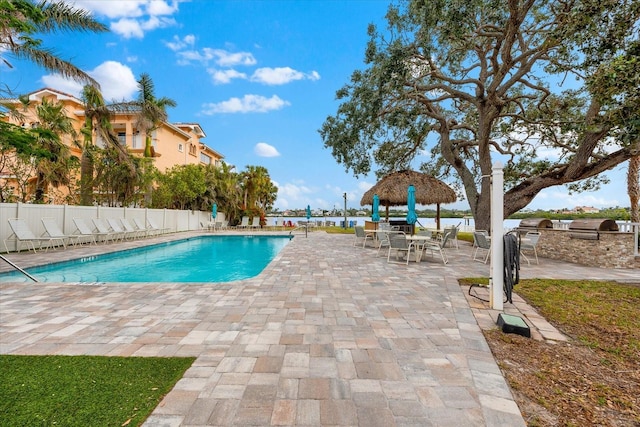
200 259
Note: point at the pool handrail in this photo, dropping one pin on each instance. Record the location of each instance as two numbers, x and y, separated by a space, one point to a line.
19 269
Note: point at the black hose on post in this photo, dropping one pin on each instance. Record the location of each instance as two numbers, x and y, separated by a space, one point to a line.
511 264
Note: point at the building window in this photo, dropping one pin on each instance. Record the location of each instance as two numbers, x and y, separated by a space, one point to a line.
192 149
180 147
205 159
135 142
122 138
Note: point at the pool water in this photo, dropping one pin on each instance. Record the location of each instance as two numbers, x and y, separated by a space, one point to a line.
199 259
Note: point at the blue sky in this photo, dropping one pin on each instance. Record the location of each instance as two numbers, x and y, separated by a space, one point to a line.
260 78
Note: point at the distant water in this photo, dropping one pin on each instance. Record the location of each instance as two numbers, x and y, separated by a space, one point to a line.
465 224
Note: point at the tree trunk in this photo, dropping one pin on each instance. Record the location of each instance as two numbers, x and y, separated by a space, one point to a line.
147 146
41 185
86 179
633 187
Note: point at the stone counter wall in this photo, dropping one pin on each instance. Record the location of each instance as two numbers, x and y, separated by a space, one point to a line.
612 250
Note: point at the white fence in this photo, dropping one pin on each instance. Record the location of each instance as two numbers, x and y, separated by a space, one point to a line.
173 220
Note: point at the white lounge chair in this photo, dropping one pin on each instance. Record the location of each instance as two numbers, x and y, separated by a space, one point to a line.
244 223
21 233
118 227
131 229
255 223
52 230
270 223
83 229
143 228
103 227
158 230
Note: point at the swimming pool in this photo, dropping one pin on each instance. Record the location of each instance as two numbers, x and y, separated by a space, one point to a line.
198 259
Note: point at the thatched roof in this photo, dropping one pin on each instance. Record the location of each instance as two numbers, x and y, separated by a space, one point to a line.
392 190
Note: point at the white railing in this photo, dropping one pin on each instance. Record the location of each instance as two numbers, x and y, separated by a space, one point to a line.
174 220
632 227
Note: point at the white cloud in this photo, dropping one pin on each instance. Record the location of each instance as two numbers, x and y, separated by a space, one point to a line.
157 22
292 192
131 18
178 44
220 57
246 104
365 186
62 84
289 195
114 8
263 149
117 82
225 76
281 75
559 197
128 28
160 7
229 59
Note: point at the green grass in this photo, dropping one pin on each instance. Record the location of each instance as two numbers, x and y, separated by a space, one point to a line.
587 308
602 315
84 390
338 230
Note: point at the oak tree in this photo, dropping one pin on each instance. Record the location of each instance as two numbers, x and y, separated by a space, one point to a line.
470 82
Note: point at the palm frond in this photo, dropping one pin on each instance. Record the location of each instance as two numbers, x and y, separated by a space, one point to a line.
65 17
48 60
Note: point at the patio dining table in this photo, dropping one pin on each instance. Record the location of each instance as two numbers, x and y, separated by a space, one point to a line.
418 240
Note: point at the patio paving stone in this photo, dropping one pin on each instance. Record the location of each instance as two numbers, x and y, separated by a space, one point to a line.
327 334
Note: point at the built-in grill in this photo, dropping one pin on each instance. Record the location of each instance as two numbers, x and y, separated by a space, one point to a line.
530 224
589 229
402 225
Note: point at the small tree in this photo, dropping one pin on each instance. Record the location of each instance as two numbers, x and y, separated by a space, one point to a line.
259 193
180 187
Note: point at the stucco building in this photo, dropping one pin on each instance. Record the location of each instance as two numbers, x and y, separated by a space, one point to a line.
172 143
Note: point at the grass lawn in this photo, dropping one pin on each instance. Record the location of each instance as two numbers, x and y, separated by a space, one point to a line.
84 390
591 380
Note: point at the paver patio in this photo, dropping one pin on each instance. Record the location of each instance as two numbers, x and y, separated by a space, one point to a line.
327 334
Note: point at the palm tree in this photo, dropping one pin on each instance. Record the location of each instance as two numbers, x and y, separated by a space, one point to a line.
20 20
228 193
97 119
259 193
153 111
53 169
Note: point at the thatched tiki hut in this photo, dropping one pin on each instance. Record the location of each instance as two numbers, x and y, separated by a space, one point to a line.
392 191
